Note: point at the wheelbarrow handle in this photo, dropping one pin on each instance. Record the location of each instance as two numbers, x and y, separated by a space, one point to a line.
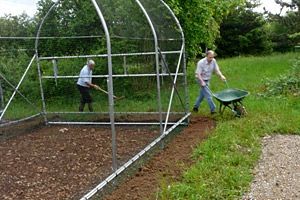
226 83
211 93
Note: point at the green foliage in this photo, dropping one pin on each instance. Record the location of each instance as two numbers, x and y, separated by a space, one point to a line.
16 26
244 32
68 19
285 85
285 29
224 162
295 36
279 37
201 21
12 68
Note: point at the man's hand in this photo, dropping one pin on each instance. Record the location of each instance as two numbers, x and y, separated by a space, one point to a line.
96 87
223 78
202 83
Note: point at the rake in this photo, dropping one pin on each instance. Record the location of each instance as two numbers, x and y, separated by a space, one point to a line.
104 91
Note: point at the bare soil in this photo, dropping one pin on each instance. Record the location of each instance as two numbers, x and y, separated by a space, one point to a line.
65 162
166 166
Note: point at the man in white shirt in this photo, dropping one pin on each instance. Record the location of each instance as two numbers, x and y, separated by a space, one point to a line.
84 84
205 68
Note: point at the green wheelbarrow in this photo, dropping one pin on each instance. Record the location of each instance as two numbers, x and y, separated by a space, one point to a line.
232 99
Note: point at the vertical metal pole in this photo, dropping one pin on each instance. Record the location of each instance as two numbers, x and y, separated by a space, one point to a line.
38 60
1 95
187 108
42 91
186 92
125 65
156 62
55 70
164 65
163 68
109 84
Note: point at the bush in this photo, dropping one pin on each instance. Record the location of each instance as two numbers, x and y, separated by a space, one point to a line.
285 85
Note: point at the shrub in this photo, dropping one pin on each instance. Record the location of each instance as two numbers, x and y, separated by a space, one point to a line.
285 85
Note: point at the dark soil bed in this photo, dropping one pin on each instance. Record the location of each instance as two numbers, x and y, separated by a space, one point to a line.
65 162
166 166
61 162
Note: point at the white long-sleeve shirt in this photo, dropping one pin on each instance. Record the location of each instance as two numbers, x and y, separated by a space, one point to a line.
205 69
85 76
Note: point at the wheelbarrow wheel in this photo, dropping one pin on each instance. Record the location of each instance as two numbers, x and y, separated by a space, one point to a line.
240 110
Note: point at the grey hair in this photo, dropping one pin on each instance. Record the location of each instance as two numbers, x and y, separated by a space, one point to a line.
210 52
91 62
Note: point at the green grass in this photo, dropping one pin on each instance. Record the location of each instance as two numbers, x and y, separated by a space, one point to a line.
19 108
224 161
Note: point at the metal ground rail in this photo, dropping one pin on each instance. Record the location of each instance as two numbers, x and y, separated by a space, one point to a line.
110 178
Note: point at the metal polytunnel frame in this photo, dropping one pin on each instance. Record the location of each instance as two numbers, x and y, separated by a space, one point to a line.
110 76
165 126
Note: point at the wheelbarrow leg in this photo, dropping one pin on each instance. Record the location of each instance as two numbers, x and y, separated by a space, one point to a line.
224 105
221 111
240 109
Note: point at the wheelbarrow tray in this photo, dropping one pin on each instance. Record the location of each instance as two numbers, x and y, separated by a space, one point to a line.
230 95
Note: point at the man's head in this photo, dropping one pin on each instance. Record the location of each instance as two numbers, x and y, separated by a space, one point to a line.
91 64
210 55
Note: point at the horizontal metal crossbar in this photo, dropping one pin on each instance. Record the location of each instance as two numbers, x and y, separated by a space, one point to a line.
114 75
105 55
83 37
108 123
117 113
19 121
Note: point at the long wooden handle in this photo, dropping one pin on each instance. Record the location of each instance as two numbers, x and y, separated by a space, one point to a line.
100 89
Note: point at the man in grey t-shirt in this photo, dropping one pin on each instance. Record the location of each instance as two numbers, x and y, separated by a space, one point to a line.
205 68
84 84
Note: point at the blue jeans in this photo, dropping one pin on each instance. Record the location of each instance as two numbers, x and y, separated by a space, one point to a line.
205 93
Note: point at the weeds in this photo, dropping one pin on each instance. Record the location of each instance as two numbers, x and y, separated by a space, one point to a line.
285 85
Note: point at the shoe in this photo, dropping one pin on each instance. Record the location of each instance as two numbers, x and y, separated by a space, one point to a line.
213 112
195 109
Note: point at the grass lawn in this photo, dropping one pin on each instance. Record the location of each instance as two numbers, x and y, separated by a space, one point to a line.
224 162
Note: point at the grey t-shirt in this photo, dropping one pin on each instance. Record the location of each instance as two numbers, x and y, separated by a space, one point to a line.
85 76
206 69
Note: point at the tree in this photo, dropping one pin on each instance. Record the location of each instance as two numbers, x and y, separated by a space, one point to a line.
67 19
244 32
16 26
286 28
201 21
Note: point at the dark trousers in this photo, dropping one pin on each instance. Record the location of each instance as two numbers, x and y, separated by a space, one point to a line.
85 98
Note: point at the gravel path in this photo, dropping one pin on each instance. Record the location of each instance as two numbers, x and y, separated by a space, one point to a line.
277 175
